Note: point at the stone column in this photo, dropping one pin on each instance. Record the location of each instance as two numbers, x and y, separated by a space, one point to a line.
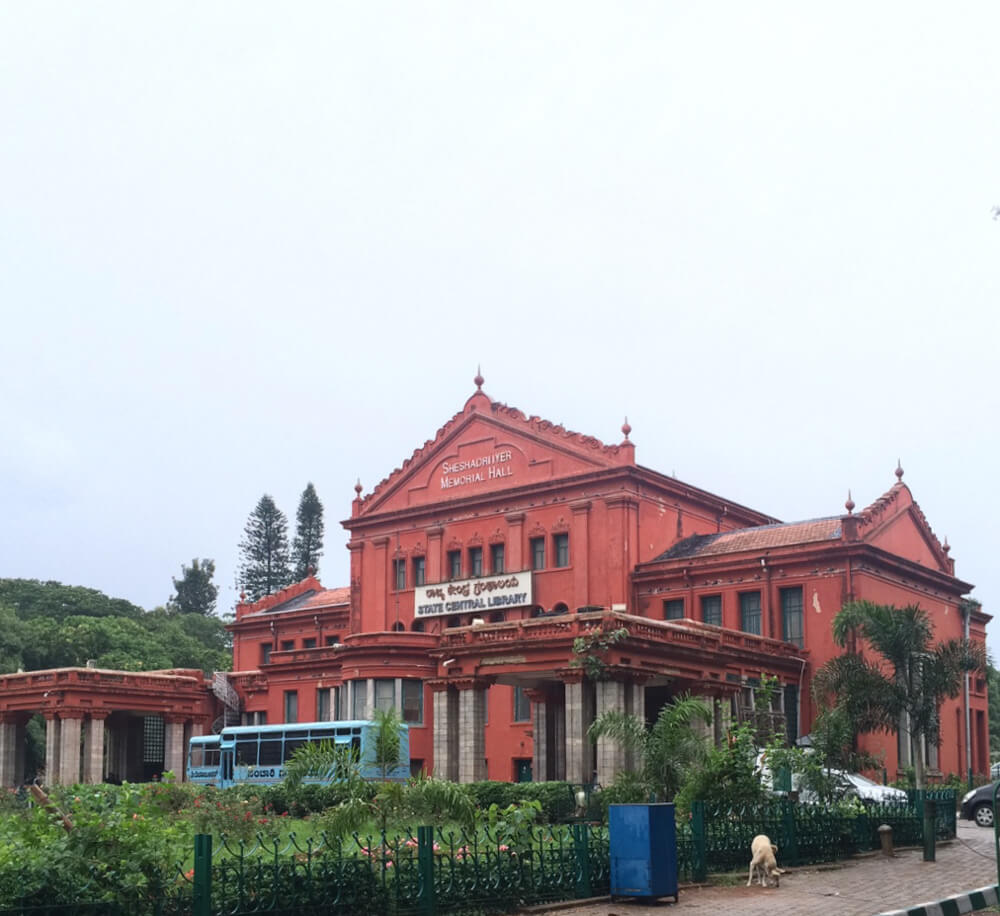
173 746
445 730
635 704
579 715
541 758
93 748
370 699
8 751
556 711
471 731
53 736
610 754
69 750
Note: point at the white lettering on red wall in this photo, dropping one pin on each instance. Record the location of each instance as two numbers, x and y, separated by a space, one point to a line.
475 470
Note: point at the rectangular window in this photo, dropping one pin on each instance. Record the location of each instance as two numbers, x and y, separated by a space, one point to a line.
333 640
560 544
791 615
673 609
418 570
359 691
399 574
413 701
385 693
711 609
287 645
454 564
475 561
265 653
323 704
537 553
338 702
309 642
522 705
750 612
496 559
291 706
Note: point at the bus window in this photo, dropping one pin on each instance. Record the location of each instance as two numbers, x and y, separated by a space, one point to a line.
292 745
270 753
246 750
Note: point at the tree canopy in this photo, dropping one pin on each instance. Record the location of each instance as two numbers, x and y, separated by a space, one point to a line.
50 625
307 547
905 677
194 592
264 566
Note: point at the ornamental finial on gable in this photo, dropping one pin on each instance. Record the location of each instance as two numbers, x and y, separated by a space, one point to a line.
849 505
626 429
899 471
358 488
479 378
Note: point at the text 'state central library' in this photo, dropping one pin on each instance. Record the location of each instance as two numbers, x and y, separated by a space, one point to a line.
475 566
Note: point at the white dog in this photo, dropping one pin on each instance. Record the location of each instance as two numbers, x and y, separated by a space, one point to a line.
762 861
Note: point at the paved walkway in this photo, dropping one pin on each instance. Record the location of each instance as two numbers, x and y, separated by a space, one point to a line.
860 887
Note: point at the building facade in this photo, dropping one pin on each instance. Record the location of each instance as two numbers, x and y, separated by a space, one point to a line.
478 564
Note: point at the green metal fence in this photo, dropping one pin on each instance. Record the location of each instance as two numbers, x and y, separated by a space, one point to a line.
433 872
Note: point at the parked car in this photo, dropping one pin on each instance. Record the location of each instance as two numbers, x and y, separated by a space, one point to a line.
848 785
870 791
995 770
977 805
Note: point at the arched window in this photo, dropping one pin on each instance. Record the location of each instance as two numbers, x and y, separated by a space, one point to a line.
561 608
398 627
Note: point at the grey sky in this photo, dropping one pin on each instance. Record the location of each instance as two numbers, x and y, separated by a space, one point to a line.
244 246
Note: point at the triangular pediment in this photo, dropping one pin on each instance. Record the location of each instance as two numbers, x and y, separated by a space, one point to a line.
489 447
895 523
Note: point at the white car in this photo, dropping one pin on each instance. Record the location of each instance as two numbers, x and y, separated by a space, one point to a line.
995 771
870 791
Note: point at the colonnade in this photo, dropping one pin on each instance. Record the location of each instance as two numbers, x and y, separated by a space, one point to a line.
93 746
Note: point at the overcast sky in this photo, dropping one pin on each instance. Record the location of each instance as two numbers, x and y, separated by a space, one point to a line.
244 246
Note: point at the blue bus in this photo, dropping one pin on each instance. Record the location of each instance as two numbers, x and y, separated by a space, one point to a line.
256 754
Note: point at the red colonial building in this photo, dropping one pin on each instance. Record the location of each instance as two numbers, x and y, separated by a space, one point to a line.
477 563
474 568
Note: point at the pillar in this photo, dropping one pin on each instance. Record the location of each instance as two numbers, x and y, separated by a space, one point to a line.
635 705
610 754
445 707
556 711
93 748
173 746
541 728
20 745
69 750
471 732
579 716
53 729
434 558
8 752
382 577
370 699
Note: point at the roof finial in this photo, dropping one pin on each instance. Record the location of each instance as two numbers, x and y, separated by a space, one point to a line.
899 471
849 505
626 429
479 378
358 488
946 546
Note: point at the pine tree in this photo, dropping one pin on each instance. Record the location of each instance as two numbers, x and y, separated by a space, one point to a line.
194 592
308 545
264 551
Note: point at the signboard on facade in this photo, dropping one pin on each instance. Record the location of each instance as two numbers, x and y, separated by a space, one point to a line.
464 596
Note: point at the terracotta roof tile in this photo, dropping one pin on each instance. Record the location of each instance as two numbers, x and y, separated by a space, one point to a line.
759 538
325 597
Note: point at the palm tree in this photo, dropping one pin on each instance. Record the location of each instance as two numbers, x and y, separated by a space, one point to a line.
666 751
905 682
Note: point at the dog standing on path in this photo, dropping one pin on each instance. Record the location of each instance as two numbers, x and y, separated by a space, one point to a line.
762 861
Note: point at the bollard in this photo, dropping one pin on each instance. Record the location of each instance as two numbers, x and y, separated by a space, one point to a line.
885 838
930 828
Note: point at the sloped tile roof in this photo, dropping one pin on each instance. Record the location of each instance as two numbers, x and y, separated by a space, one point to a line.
759 538
325 597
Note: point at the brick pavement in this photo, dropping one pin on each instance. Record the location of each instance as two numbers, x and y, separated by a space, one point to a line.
860 887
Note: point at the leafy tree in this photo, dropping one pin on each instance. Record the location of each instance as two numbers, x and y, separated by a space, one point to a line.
668 750
993 691
307 547
906 681
728 775
194 592
264 551
31 598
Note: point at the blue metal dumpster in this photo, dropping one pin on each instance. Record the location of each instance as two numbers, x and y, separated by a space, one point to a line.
643 848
